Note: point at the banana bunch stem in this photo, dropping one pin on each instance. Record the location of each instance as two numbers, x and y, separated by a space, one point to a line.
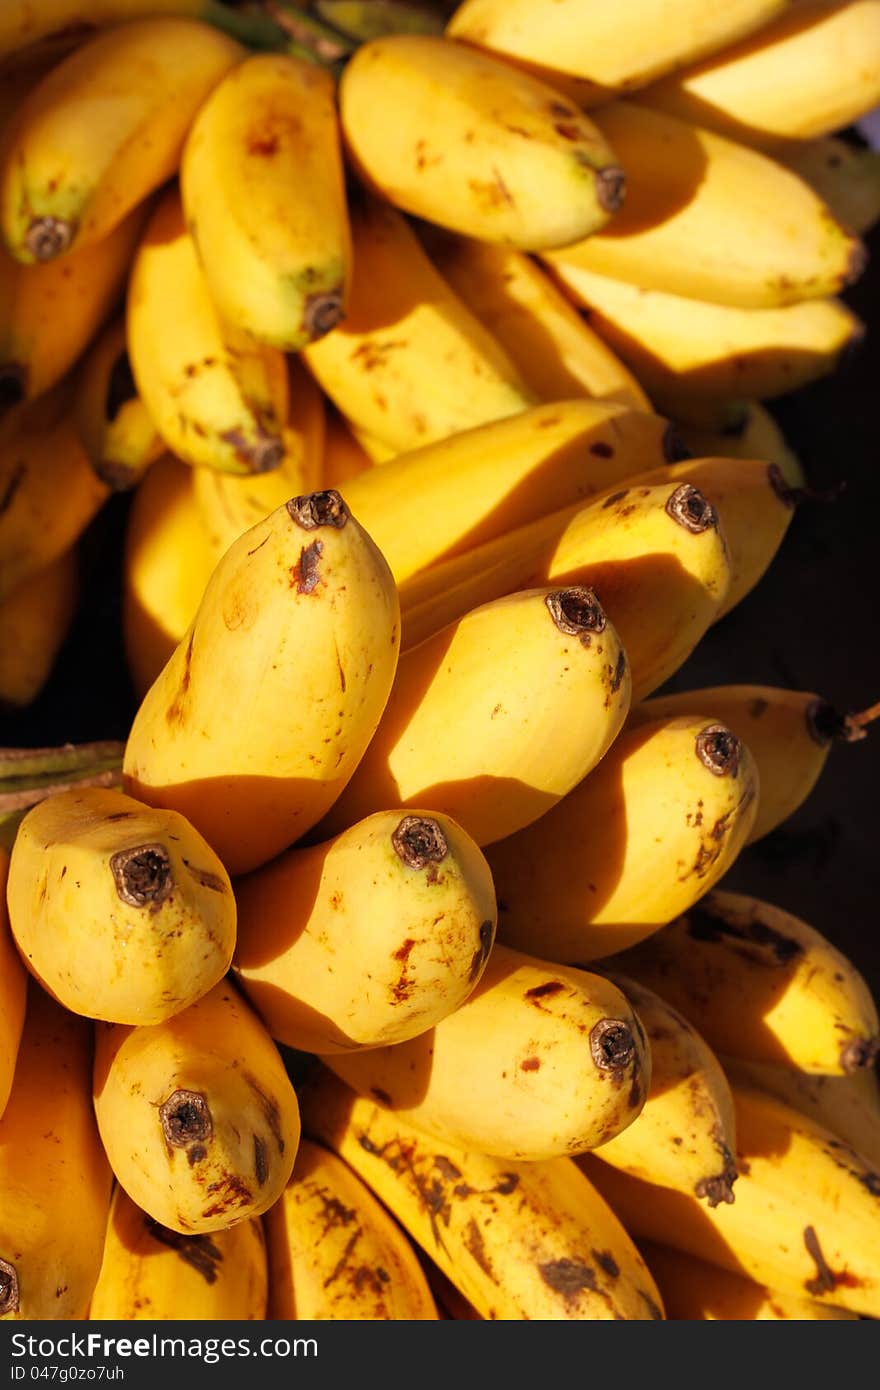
28 775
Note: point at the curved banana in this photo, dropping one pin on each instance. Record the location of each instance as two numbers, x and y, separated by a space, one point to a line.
661 818
695 1291
13 991
35 620
753 435
54 1176
685 1134
485 149
760 984
218 398
197 1115
845 176
369 938
103 129
263 192
22 24
303 602
114 425
518 1240
152 1273
410 364
335 1253
805 1220
471 727
539 1061
813 71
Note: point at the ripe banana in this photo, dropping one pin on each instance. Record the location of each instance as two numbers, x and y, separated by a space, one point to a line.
344 457
557 354
665 541
805 1220
695 359
303 602
519 1240
661 818
410 364
369 938
13 991
218 398
696 1291
197 1114
335 1253
54 1176
712 220
685 1135
103 129
263 192
539 1061
845 176
22 24
151 1273
35 620
813 71
759 984
754 435
472 724
114 425
50 313
485 150
122 912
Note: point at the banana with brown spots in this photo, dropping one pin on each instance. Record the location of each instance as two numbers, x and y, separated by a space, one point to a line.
695 1291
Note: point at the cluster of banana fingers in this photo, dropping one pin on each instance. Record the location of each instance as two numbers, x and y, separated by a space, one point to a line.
385 970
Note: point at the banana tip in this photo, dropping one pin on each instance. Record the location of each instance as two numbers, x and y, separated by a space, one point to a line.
13 385
611 188
419 841
48 237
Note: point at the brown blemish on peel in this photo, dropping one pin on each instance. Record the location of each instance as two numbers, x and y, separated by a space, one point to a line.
542 991
142 875
316 509
199 1252
825 1280
859 1053
607 1263
261 1162
576 612
611 188
419 841
323 312
719 1188
481 954
14 483
612 1045
691 509
269 1107
205 877
9 1298
305 572
656 1313
382 1096
185 1118
260 454
615 497
530 1064
619 671
473 1243
705 924
719 750
568 1277
48 237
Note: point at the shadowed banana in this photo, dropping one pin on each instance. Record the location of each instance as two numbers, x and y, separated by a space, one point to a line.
13 991
114 425
753 434
845 176
35 620
23 25
695 1291
344 457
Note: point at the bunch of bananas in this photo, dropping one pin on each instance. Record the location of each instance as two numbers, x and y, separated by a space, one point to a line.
385 970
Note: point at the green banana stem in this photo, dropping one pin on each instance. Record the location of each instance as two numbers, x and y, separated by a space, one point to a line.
308 37
253 28
372 19
28 775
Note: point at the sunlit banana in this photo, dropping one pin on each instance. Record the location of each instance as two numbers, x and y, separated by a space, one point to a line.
694 1290
35 620
846 176
754 434
114 425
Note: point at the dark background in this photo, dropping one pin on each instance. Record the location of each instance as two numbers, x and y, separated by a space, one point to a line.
811 624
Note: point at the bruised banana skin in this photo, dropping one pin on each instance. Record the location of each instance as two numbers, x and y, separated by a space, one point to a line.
197 1115
114 424
103 129
264 197
334 1251
540 1061
13 991
760 984
639 840
369 938
472 720
35 620
806 1219
151 1273
518 1240
303 601
122 912
485 150
54 1176
685 1135
218 398
753 435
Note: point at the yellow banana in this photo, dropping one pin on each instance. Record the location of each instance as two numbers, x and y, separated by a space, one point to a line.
49 491
54 1176
122 912
519 1240
845 176
471 727
813 71
410 364
35 620
754 435
375 449
168 560
695 1291
344 457
13 991
197 1115
694 359
608 49
484 150
114 425
154 1274
50 313
264 197
555 351
712 220
805 1219
685 1135
664 541
369 938
218 398
335 1253
103 129
22 24
661 818
303 602
760 984
539 1061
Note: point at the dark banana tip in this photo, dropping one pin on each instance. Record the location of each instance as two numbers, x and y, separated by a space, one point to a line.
315 509
9 1296
690 508
611 188
48 237
576 610
719 750
612 1045
185 1118
322 313
859 1053
142 875
419 841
